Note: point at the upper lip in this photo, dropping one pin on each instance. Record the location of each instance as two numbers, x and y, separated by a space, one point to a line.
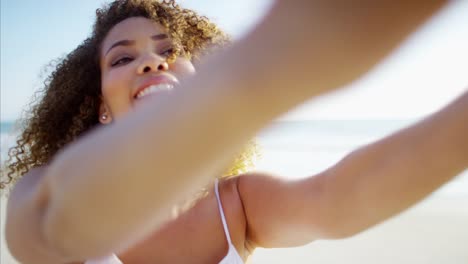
154 80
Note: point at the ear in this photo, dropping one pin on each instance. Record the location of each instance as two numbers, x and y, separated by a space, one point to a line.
104 113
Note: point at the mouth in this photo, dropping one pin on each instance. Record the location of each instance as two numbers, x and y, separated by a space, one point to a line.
156 84
155 88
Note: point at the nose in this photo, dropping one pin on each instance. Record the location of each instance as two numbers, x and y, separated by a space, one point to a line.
152 63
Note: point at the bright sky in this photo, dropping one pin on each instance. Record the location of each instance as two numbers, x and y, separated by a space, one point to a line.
428 71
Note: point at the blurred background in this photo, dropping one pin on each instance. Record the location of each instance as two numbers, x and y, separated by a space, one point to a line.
426 72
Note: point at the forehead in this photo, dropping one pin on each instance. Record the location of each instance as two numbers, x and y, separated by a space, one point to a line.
131 29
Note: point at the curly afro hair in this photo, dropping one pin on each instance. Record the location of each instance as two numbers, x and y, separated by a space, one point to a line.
67 105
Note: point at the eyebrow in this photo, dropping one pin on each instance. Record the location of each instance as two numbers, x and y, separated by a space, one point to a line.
127 42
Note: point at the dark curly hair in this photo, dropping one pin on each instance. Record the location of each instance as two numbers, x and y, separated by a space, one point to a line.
68 104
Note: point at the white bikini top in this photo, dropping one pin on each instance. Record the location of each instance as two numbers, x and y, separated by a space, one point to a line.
112 259
232 256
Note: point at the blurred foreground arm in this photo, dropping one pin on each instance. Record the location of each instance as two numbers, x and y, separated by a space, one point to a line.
117 184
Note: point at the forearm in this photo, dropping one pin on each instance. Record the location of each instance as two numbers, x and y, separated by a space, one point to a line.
386 177
320 45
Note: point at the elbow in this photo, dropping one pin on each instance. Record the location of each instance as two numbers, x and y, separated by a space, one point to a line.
342 220
338 218
33 232
25 238
55 232
337 226
340 229
59 227
72 236
65 235
28 243
13 243
23 251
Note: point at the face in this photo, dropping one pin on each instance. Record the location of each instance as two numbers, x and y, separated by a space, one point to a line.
134 66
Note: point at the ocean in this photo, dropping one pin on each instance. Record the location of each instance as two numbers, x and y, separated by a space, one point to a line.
298 149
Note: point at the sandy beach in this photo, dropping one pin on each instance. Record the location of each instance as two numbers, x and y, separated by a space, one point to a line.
433 232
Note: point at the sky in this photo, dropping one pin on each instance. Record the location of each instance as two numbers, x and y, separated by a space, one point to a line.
428 70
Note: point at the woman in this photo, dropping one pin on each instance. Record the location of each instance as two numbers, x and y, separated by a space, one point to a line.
166 133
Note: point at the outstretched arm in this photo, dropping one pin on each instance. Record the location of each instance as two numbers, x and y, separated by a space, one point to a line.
134 170
368 186
400 170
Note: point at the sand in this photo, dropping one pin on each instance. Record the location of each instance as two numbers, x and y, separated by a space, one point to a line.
433 232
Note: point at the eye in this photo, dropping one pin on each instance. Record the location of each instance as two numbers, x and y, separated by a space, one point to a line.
121 61
168 52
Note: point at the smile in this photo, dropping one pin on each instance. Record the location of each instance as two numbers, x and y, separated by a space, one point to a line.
154 89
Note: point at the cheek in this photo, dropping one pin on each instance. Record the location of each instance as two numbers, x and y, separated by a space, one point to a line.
114 84
116 93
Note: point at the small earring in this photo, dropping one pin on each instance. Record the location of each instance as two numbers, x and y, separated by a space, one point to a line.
104 117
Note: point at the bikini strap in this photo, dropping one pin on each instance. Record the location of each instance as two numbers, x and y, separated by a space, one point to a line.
223 218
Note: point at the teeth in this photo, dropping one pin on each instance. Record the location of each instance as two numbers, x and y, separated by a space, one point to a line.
154 88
